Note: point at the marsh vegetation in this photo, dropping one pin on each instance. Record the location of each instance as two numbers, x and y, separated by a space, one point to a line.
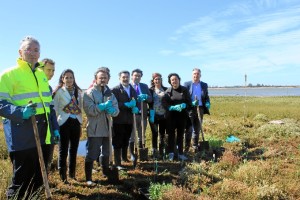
265 164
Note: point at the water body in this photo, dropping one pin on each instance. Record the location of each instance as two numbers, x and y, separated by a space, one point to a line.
82 148
255 91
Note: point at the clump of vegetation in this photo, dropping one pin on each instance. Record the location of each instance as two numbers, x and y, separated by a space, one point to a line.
156 190
261 118
181 193
288 128
270 192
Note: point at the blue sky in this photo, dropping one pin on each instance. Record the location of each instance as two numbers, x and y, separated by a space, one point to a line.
226 39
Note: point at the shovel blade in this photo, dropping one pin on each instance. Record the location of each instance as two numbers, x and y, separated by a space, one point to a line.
112 174
143 152
204 145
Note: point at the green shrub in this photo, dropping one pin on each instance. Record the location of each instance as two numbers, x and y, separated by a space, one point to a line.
156 190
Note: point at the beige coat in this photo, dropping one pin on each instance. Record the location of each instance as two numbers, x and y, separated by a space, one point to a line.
61 99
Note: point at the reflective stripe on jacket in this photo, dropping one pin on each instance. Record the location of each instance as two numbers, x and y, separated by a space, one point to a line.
18 86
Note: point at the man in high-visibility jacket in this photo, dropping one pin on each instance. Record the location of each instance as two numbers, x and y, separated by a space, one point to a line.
18 86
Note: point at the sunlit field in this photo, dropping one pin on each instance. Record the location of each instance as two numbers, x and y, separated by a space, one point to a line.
264 164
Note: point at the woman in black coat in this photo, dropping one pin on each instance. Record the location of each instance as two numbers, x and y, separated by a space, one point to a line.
177 102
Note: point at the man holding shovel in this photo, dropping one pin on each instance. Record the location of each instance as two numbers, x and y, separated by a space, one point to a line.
143 98
19 85
122 123
200 100
99 104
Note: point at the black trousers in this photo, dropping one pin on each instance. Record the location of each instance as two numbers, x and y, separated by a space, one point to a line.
159 126
121 135
69 141
48 155
27 177
176 123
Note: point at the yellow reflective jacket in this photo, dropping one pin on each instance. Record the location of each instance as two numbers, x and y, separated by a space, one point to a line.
18 86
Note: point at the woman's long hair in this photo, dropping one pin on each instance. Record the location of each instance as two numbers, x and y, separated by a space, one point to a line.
60 83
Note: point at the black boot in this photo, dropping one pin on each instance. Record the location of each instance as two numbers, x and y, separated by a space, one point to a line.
72 169
88 167
161 149
117 157
124 154
104 165
63 175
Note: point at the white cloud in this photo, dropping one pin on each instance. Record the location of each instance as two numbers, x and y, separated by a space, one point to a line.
258 36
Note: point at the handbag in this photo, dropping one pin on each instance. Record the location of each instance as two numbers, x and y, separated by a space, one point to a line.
72 107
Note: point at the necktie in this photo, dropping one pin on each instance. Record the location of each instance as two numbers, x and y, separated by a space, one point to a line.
137 90
138 93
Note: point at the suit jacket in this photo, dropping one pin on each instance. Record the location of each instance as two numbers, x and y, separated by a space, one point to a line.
204 93
61 98
125 115
144 90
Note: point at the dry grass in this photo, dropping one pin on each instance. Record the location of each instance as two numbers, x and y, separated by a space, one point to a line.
264 165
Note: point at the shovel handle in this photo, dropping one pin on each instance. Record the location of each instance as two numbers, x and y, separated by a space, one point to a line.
109 133
41 158
142 124
200 121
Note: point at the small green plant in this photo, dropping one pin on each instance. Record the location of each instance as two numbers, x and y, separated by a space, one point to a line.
156 190
215 143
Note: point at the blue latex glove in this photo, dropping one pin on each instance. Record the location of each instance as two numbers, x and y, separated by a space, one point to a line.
176 108
130 104
207 105
183 105
142 97
111 110
29 110
103 106
232 138
195 103
56 137
135 110
151 118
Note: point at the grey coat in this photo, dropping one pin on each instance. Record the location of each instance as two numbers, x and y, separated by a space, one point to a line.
97 125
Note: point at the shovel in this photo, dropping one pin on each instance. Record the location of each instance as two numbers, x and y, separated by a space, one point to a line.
143 151
204 145
135 142
41 158
112 172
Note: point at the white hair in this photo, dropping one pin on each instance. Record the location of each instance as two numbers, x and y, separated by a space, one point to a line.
27 39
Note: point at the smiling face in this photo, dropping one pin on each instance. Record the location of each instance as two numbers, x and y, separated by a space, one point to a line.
174 82
196 75
157 81
124 79
68 80
30 52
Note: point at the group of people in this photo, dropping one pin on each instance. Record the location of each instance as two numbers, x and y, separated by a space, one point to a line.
25 92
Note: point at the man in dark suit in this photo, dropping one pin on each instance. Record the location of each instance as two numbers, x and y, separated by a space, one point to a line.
144 97
122 124
199 95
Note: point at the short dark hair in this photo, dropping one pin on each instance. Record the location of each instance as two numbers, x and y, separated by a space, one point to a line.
137 71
